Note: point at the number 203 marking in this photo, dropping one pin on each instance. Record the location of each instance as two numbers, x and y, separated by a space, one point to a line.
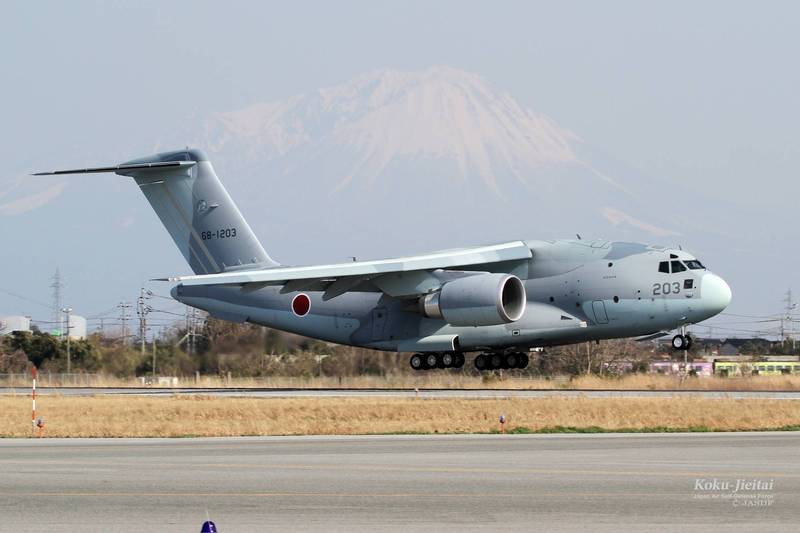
661 289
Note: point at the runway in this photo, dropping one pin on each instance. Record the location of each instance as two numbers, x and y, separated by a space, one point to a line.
400 393
608 482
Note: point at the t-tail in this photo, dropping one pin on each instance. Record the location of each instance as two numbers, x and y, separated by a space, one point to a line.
197 211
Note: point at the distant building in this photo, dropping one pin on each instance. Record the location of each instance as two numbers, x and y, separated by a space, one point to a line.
77 327
10 324
699 368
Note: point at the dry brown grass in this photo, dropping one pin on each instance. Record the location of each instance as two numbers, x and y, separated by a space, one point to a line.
177 416
447 380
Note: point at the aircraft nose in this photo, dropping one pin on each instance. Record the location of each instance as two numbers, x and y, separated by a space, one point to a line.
716 293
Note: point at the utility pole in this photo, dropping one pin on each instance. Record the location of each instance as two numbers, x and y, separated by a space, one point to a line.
67 311
123 307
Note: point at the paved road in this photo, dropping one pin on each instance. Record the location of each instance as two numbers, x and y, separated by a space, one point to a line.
401 393
401 483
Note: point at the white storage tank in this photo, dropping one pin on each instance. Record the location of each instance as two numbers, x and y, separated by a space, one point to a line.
9 324
77 327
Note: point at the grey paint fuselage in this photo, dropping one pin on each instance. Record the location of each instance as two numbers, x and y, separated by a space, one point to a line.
576 291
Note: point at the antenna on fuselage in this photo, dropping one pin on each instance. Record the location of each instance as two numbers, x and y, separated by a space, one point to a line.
578 235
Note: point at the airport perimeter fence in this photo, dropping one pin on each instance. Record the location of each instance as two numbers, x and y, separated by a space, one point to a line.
53 379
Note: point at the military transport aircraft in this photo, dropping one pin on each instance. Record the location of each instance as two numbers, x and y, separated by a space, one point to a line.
499 300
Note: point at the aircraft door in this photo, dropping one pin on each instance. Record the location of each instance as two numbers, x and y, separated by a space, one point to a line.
378 323
599 309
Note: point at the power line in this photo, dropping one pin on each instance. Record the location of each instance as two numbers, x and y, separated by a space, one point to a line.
25 298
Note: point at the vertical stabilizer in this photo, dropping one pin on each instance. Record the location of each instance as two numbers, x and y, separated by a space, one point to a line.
197 211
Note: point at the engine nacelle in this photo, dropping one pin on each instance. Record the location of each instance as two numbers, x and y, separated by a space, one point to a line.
479 300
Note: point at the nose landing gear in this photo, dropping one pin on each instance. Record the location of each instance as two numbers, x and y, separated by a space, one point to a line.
682 341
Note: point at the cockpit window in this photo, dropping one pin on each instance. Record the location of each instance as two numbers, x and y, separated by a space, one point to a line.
663 266
677 266
694 264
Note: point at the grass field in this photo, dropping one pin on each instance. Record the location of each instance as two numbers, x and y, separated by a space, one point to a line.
113 416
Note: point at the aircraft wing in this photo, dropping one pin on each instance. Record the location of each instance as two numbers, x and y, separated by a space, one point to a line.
403 276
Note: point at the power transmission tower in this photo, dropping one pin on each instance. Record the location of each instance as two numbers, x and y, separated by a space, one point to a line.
58 316
191 330
142 309
786 318
123 307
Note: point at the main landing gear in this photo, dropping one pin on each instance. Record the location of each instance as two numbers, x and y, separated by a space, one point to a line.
682 341
505 361
429 361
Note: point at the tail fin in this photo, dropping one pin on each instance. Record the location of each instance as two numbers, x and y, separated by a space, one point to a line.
197 211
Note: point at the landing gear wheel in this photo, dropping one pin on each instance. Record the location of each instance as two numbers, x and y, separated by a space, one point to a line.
416 362
448 360
512 360
679 342
523 361
496 361
481 363
459 360
689 341
432 360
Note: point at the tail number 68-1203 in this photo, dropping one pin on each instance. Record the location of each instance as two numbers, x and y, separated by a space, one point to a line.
662 289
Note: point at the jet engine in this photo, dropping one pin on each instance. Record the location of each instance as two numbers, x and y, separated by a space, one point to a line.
479 300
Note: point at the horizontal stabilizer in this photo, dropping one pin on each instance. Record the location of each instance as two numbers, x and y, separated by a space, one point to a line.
120 169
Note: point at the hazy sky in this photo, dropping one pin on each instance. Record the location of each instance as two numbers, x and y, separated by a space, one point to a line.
683 89
701 94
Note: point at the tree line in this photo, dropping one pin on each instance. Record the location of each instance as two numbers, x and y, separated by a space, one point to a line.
247 350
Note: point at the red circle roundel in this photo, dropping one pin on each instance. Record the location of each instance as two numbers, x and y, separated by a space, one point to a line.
301 304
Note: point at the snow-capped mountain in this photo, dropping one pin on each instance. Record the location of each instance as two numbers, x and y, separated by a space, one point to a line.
379 118
437 148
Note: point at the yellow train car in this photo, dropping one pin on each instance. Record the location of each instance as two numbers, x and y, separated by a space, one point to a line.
758 368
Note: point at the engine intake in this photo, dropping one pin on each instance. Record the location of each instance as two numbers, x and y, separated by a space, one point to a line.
479 300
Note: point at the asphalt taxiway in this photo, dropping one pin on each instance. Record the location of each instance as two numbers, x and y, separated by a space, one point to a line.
400 393
607 482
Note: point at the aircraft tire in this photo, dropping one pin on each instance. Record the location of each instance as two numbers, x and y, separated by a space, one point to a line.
511 360
689 341
417 362
679 342
496 361
432 360
481 363
448 360
523 361
459 360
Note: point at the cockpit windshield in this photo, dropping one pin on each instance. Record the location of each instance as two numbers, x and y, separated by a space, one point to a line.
673 267
677 266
